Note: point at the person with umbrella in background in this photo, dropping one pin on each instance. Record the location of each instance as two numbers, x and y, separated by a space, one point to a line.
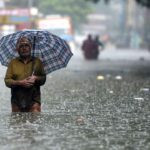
25 75
90 48
30 55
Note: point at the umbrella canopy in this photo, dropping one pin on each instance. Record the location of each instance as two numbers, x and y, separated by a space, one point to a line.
53 51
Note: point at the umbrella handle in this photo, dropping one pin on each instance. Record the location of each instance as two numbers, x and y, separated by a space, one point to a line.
32 73
33 66
34 39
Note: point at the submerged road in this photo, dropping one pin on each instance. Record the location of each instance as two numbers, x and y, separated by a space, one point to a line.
90 105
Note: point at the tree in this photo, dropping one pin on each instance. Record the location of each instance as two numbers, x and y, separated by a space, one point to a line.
76 9
96 1
144 2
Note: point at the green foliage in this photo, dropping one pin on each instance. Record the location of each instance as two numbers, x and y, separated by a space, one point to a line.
96 1
77 9
144 2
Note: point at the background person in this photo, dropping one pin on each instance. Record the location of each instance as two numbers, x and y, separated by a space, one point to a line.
98 41
90 48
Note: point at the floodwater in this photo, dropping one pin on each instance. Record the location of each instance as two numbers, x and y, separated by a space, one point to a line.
95 105
82 110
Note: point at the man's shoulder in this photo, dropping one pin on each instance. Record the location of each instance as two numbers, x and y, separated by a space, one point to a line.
37 58
14 59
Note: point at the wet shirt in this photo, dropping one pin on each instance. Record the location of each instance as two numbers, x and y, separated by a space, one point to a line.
18 70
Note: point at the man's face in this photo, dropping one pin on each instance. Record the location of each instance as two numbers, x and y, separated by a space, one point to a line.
24 48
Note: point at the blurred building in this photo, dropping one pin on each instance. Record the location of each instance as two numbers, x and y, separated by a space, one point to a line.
96 23
13 19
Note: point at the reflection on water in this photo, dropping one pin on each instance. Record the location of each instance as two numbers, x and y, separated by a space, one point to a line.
82 112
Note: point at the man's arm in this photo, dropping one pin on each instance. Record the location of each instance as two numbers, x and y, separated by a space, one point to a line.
11 82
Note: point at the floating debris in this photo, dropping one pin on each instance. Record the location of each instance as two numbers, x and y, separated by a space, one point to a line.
118 77
80 120
100 77
111 92
138 98
144 89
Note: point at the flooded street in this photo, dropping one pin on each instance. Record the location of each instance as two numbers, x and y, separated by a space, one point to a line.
101 100
83 109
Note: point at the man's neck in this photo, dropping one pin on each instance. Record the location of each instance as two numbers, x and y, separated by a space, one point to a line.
26 59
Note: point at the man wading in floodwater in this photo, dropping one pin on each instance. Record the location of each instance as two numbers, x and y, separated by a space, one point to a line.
25 75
